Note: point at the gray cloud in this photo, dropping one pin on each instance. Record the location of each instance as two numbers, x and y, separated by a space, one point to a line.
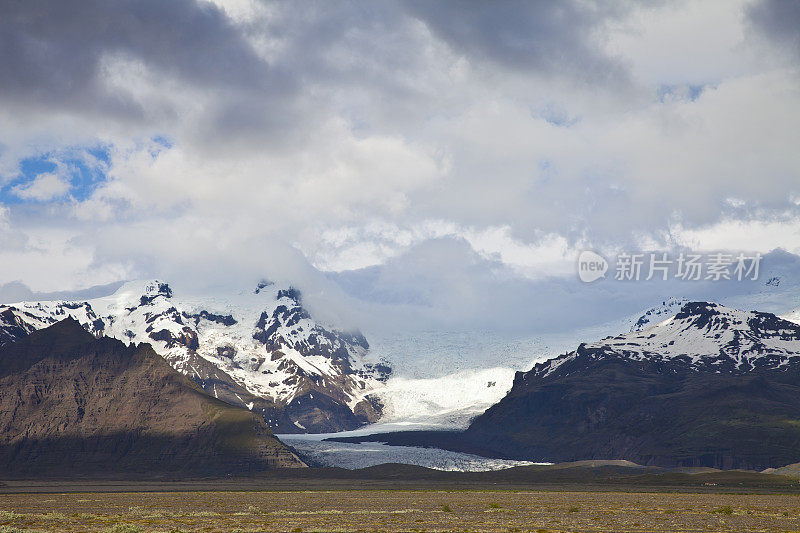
52 52
778 21
364 59
549 37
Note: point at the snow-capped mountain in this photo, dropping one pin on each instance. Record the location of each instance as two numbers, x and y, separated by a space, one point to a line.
260 349
709 386
701 335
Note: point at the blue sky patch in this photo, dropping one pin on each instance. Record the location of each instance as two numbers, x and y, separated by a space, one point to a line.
84 168
683 92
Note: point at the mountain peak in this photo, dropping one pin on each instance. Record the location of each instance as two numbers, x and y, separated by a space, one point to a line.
699 309
66 333
291 293
62 339
69 322
153 290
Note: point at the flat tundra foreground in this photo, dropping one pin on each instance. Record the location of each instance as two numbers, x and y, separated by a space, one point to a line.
397 511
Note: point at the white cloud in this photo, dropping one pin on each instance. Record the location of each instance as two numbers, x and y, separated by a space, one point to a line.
699 42
44 187
744 235
50 259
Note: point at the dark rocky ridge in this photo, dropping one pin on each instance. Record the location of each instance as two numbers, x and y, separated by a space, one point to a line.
73 404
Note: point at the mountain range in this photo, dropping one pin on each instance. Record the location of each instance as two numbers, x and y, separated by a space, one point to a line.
691 383
259 349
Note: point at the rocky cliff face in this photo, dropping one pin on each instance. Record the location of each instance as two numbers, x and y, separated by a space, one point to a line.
259 349
73 404
710 386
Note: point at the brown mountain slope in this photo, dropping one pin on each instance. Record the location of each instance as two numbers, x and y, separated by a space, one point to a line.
73 404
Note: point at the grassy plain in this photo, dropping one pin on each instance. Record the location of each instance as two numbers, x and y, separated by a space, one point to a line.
397 510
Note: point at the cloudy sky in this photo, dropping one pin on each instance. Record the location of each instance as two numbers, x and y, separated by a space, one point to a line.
442 146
